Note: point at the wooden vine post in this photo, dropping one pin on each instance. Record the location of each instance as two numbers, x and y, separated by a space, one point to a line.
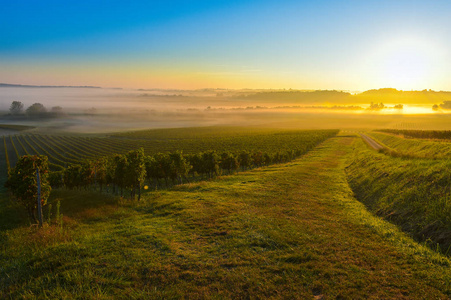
38 180
29 185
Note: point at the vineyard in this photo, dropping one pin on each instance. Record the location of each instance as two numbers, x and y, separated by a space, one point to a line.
228 149
415 147
421 134
224 238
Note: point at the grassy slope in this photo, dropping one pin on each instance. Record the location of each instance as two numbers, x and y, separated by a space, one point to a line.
419 148
414 193
291 231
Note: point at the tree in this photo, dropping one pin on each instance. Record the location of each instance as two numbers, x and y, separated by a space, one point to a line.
36 109
110 171
151 169
56 179
72 176
229 162
257 158
195 161
56 111
210 163
161 167
87 173
23 183
16 108
100 171
245 159
135 171
266 159
120 171
179 165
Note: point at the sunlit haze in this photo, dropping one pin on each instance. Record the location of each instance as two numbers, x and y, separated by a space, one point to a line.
343 45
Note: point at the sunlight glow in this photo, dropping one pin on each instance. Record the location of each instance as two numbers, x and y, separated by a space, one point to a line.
406 68
406 63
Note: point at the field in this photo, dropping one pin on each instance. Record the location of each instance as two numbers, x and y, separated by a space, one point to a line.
286 231
414 147
411 188
63 150
225 150
340 221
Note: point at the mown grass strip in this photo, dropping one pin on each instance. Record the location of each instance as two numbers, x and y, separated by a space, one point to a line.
289 231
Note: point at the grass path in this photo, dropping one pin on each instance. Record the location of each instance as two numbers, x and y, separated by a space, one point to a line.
290 231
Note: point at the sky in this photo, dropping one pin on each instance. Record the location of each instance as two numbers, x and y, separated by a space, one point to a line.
343 45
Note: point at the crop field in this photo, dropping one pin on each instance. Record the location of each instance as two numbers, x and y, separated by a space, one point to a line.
422 134
65 150
225 150
414 147
286 231
341 220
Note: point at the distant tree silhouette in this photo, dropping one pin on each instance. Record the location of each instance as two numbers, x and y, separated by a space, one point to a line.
446 105
16 108
36 109
57 110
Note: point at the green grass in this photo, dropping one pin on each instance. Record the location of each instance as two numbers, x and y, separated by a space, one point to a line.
413 193
285 231
413 148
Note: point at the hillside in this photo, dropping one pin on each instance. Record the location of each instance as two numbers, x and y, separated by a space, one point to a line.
286 231
394 96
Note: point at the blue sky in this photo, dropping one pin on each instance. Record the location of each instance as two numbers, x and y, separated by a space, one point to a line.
351 45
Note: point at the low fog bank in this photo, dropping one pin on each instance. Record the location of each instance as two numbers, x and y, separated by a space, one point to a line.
101 111
80 99
293 119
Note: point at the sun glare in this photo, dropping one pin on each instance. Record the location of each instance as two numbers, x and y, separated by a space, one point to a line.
405 64
406 68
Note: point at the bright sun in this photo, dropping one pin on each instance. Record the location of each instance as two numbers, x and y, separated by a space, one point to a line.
406 68
405 64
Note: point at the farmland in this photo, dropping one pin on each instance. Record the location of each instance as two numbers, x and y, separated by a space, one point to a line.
414 147
63 150
341 220
225 150
294 227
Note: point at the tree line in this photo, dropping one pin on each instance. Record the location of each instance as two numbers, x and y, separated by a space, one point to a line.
127 174
35 110
129 171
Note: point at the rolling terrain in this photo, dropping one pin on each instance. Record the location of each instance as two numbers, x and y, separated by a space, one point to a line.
413 147
291 230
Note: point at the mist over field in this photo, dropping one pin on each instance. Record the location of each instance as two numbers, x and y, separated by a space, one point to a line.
97 110
225 149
